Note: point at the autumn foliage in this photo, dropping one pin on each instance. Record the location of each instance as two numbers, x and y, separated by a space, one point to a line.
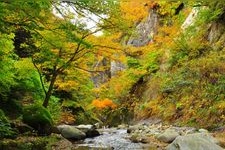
67 118
105 103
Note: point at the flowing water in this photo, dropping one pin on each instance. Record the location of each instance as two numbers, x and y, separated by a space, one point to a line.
110 139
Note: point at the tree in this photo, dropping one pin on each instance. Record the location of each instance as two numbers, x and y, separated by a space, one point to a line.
64 45
54 43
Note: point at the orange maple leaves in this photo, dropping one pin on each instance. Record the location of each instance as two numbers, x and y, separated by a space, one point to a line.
105 103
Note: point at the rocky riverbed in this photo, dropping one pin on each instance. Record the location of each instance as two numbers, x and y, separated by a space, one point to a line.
140 136
154 136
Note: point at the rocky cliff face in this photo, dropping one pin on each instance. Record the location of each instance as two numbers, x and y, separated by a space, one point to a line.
207 39
145 33
145 30
102 76
217 31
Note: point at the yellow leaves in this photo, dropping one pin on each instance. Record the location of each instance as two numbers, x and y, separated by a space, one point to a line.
220 107
166 35
55 51
138 72
25 63
104 103
67 118
134 11
65 85
69 46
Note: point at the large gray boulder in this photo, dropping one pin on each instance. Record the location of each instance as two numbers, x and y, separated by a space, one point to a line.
196 141
168 136
71 132
89 130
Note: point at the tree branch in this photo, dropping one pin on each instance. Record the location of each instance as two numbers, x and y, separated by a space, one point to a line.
86 70
40 76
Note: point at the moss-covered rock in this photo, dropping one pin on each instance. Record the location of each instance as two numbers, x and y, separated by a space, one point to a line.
39 118
5 129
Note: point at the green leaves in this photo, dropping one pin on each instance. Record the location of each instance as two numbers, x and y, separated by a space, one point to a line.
5 128
6 64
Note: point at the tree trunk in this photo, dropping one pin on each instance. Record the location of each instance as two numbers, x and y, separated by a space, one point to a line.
50 89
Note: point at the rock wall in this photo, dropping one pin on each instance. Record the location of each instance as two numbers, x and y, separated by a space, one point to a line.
145 30
101 76
217 30
145 33
191 18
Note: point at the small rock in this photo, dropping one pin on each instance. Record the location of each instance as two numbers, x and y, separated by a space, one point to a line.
139 139
203 131
131 129
122 126
168 136
98 125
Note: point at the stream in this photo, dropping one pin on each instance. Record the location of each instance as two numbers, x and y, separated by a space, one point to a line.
111 138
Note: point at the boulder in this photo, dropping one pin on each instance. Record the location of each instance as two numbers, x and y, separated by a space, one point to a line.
92 133
38 118
168 136
89 130
122 126
63 144
131 129
59 128
71 132
196 141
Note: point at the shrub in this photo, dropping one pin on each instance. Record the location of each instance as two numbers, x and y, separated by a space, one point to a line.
133 62
5 129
